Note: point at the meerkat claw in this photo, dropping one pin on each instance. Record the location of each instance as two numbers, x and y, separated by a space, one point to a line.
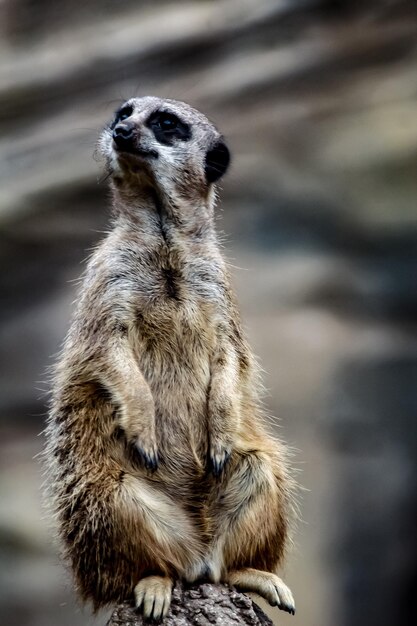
218 459
149 457
286 600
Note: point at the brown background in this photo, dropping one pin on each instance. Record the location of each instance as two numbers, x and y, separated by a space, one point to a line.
318 103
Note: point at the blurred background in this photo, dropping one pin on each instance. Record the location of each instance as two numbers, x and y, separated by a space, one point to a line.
317 100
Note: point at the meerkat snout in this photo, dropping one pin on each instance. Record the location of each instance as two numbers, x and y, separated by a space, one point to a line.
127 140
123 136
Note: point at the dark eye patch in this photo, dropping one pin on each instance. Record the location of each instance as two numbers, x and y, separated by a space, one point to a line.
123 113
167 127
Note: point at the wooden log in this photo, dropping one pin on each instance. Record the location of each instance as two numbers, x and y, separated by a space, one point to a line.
200 605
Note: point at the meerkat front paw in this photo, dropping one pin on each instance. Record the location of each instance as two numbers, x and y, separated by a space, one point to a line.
153 595
218 457
148 454
139 431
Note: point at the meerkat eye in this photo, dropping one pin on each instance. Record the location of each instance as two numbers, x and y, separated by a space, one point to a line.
168 122
125 113
167 127
122 114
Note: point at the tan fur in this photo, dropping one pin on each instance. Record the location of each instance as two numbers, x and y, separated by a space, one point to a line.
160 466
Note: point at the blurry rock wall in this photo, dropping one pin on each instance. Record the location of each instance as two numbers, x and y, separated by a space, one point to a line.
318 102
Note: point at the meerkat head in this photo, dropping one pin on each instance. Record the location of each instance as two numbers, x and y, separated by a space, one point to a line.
166 144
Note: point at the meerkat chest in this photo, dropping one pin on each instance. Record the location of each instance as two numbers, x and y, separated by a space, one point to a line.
178 298
175 281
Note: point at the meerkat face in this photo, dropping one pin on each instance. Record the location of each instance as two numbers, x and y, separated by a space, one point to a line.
166 142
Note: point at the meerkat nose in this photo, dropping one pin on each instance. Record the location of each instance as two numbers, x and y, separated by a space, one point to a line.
123 136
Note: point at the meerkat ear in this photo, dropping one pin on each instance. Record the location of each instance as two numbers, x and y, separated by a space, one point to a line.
217 161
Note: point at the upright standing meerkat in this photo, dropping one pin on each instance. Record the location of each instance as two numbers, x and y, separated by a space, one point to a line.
160 465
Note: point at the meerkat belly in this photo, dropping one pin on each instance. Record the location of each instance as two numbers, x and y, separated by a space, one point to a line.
175 343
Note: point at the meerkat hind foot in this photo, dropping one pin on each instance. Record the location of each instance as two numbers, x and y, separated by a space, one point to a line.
265 584
153 595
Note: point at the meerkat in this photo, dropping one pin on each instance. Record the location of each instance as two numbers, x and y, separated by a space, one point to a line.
160 466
